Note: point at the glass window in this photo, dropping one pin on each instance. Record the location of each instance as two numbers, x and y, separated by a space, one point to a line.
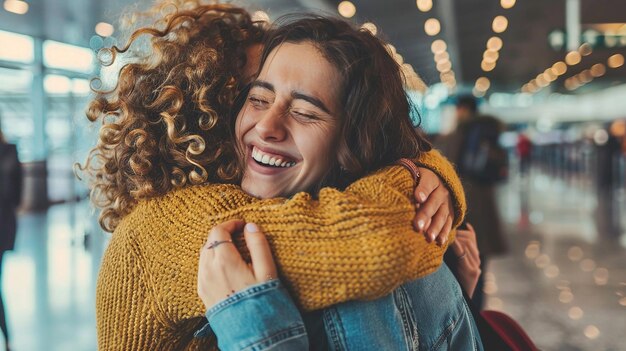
69 57
67 133
16 114
16 47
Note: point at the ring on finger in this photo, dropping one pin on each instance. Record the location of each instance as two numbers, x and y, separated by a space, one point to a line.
462 255
216 243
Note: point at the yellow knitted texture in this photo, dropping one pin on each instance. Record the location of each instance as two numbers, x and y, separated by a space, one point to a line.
356 244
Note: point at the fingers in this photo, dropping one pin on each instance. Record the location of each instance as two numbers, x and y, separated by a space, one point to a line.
471 228
439 220
220 235
262 260
457 247
468 240
427 211
447 228
428 182
221 270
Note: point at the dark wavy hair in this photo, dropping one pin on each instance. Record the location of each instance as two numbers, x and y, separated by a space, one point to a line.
166 123
376 129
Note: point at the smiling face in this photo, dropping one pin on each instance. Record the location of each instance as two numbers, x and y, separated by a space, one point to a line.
288 127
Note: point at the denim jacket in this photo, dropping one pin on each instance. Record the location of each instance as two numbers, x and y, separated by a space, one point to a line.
426 314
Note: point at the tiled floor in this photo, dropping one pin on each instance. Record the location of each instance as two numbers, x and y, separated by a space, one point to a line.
49 280
562 281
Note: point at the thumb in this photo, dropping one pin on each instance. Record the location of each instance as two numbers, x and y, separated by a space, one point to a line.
262 261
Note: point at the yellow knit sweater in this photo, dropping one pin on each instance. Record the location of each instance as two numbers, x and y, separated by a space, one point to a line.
355 244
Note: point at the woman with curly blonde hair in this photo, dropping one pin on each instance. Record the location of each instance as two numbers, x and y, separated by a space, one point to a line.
161 171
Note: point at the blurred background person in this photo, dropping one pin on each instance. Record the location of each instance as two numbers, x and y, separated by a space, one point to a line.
481 162
608 150
524 150
10 195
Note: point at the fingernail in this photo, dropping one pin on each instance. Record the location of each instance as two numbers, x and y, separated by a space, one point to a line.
433 236
420 224
422 196
252 228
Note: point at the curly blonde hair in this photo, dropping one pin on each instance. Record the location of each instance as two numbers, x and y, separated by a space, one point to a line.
167 123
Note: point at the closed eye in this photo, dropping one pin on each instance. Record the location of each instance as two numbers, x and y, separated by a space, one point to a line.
304 116
257 102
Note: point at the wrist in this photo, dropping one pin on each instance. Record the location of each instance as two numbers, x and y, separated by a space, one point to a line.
412 168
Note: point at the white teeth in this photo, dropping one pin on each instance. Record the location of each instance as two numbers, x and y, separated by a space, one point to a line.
258 156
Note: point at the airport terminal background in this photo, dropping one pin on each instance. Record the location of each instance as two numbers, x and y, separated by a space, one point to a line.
564 277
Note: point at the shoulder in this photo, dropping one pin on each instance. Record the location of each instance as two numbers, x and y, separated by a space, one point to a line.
179 210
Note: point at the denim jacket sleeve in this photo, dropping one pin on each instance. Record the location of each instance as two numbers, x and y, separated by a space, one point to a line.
261 317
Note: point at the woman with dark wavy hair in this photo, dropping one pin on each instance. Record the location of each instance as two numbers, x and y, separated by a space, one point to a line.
327 122
163 172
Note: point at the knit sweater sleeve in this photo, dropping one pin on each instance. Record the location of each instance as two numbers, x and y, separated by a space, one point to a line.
124 304
443 168
351 245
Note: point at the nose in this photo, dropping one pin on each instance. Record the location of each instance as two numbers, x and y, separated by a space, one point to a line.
271 125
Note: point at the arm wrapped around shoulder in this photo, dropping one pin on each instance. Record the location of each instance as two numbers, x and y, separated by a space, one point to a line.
350 245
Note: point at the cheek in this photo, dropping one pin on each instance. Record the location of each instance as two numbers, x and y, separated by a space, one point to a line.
242 124
321 149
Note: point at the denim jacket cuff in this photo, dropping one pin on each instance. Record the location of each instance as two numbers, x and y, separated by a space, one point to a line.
258 317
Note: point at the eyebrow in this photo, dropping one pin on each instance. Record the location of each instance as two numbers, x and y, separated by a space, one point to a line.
294 94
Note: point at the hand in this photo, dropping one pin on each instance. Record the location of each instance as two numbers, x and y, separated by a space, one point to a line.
221 270
435 213
466 249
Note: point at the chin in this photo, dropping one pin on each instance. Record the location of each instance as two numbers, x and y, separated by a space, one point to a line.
259 192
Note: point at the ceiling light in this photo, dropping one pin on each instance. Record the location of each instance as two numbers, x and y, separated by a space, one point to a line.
442 56
585 49
483 84
494 44
438 46
549 75
507 4
346 9
560 68
424 5
104 29
598 70
490 56
616 61
499 24
16 6
446 75
444 66
572 58
585 76
260 16
487 66
371 27
432 26
591 332
542 81
477 93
